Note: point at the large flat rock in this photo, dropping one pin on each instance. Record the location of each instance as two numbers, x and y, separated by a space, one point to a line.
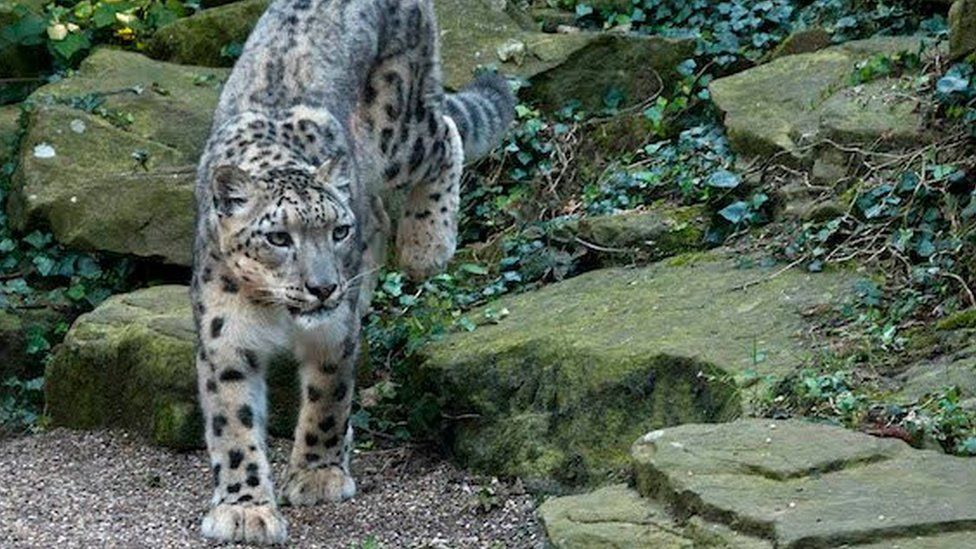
129 363
474 33
556 391
800 484
109 156
793 101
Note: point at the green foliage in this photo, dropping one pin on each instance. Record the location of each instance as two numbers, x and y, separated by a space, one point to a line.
918 221
730 30
885 66
956 93
691 163
70 30
20 405
370 543
845 396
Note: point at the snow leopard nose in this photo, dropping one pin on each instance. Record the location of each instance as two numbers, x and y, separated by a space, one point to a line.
323 291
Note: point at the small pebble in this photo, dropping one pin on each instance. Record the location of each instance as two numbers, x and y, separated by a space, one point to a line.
43 150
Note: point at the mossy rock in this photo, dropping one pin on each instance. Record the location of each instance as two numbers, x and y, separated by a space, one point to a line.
792 101
562 67
799 484
119 179
633 66
661 230
961 319
557 390
129 363
962 29
802 41
198 39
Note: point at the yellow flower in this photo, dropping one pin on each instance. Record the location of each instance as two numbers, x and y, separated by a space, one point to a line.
125 33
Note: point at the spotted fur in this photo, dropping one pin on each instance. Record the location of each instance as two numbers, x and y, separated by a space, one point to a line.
331 102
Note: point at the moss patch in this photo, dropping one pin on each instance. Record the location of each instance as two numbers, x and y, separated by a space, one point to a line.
556 392
129 363
961 319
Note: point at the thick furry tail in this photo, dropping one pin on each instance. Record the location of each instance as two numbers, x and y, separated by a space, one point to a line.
482 112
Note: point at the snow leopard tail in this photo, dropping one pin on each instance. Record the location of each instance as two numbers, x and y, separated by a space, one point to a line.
482 112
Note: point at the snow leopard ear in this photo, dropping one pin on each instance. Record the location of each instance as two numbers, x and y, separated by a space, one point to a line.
232 189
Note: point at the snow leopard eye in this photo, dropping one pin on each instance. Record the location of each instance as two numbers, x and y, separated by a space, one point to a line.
279 239
340 232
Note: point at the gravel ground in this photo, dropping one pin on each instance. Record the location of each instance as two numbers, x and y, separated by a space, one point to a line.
109 489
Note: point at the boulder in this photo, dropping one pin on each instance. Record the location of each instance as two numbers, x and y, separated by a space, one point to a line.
109 155
556 390
799 484
779 107
129 363
474 33
659 231
199 39
962 29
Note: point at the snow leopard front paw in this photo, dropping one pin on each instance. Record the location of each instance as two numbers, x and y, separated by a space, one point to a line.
311 486
258 524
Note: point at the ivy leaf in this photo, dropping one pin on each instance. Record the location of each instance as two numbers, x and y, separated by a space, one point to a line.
474 268
76 292
45 265
968 446
735 213
951 83
28 31
87 268
37 239
925 248
73 44
723 179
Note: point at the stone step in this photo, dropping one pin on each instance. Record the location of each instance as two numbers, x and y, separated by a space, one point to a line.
800 484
